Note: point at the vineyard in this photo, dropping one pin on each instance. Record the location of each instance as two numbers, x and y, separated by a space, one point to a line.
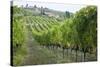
58 41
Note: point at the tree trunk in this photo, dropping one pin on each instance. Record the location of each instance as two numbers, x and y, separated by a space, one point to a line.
76 55
67 51
63 52
84 56
71 53
71 50
96 53
76 51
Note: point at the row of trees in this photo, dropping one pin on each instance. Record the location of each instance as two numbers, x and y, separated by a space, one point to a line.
77 33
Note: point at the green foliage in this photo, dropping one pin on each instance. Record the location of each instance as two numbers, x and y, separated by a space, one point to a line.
19 39
86 24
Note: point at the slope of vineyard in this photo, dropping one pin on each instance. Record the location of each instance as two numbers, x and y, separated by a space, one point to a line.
39 24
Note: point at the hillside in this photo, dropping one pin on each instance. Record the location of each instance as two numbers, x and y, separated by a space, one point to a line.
40 11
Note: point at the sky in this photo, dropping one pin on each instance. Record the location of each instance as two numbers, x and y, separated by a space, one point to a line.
55 6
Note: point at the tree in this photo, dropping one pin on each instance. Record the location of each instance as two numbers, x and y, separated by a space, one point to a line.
35 6
86 20
42 11
67 14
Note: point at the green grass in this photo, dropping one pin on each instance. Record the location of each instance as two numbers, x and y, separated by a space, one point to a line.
19 55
